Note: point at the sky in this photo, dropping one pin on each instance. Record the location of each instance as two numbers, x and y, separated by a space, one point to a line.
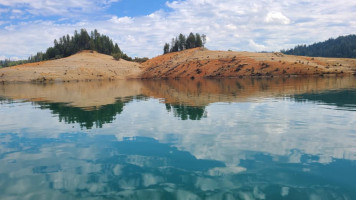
141 27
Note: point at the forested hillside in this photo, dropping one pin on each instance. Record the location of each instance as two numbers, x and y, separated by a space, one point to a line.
341 47
69 45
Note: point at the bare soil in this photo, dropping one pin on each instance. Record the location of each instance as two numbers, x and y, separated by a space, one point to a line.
197 63
83 66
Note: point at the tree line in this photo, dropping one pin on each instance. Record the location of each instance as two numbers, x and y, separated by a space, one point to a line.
69 45
183 42
341 47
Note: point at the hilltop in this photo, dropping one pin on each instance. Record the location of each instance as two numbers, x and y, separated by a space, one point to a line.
83 66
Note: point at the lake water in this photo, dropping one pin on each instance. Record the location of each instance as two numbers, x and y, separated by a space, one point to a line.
227 139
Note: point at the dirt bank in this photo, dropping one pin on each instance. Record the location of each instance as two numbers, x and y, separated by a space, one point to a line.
204 63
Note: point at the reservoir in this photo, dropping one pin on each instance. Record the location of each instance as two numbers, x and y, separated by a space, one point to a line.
278 138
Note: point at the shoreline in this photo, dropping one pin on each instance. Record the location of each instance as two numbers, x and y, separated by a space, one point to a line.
195 63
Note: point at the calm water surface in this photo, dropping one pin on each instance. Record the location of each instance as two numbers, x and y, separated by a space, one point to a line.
180 139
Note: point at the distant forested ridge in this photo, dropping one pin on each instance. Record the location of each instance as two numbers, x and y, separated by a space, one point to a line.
341 47
69 45
183 42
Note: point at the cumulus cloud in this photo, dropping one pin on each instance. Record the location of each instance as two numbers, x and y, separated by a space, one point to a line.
277 17
121 20
256 46
229 24
54 7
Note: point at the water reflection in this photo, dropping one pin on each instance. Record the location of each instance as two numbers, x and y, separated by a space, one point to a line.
175 139
77 166
187 112
341 98
86 117
97 103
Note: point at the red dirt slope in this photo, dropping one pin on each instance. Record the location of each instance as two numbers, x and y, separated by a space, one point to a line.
196 63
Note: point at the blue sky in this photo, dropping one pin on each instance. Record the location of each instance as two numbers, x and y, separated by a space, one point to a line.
141 27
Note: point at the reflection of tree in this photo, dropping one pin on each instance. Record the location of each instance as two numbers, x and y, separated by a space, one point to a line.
86 118
185 112
340 98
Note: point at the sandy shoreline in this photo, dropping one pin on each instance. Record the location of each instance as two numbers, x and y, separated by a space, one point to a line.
192 63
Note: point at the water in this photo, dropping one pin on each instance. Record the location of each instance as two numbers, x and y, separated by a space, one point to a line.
179 139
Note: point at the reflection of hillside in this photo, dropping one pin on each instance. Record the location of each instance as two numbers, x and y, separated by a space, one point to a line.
96 103
100 167
204 92
188 92
340 98
187 112
85 95
86 118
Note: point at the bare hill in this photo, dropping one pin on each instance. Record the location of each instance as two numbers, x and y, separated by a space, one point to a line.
86 65
196 63
192 63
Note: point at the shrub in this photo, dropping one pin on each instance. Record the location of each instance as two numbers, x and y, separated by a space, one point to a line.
116 56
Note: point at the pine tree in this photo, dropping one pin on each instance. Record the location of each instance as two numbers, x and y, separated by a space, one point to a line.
198 41
190 43
166 48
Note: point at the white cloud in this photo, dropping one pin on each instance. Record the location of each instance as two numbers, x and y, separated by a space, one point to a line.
277 17
229 24
231 27
258 47
121 20
4 10
54 7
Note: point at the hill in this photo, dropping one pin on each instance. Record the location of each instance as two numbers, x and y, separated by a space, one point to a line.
341 47
202 63
85 65
70 45
192 63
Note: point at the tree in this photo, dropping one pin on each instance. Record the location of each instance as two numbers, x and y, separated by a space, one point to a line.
203 37
166 48
190 43
67 46
181 42
198 41
343 46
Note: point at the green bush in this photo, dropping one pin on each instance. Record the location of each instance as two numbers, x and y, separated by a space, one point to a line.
116 56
